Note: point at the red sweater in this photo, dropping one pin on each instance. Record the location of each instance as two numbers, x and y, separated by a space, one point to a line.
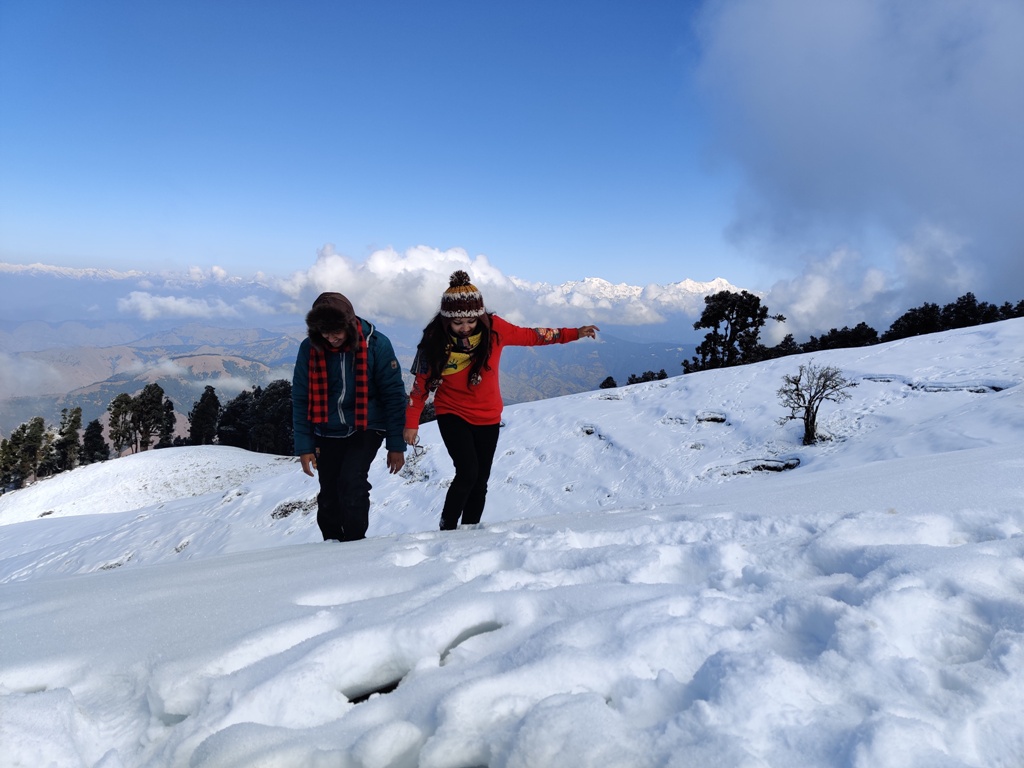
480 404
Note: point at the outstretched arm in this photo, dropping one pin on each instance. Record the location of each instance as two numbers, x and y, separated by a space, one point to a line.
519 336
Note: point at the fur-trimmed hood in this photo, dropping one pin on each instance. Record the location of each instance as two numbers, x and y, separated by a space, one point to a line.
331 311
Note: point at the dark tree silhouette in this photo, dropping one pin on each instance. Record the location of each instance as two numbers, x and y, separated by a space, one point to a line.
148 414
68 445
168 424
94 447
862 335
236 420
203 418
967 311
27 453
121 427
735 320
272 428
647 376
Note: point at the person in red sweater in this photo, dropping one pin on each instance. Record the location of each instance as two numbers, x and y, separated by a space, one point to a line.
457 360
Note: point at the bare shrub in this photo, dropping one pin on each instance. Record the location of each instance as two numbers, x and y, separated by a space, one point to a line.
804 392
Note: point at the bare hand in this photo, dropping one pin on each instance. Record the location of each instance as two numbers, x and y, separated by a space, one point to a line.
396 460
590 331
411 436
308 463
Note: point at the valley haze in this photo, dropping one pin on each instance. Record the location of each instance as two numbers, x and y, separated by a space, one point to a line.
78 337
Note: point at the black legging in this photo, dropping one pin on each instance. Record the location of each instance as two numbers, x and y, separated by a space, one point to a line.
342 465
472 451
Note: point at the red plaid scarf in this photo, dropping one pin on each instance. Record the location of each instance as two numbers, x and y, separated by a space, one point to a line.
318 382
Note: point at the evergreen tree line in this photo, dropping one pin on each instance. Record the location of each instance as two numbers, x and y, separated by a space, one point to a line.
610 382
259 420
734 322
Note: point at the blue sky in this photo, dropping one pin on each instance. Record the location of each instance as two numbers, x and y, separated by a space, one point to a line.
845 158
559 139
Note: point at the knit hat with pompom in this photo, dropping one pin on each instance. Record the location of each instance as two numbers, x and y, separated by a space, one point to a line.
462 299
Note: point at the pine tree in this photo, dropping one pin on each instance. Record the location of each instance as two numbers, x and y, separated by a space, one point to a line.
236 420
148 414
863 335
38 447
122 425
735 320
168 424
272 430
94 447
967 311
47 462
203 418
10 450
914 322
28 448
68 444
647 376
784 348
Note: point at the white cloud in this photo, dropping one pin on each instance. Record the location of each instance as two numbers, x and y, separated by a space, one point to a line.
68 272
165 367
934 264
855 116
402 290
259 306
843 289
227 386
407 287
150 307
22 376
833 292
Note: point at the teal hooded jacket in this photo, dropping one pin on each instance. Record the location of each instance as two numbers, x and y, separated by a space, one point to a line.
387 398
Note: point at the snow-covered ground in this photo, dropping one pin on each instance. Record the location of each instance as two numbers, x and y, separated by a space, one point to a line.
643 592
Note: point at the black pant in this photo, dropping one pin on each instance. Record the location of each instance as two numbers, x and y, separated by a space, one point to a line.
472 451
342 466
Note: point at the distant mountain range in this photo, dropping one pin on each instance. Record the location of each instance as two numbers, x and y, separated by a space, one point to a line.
72 337
104 308
79 337
184 360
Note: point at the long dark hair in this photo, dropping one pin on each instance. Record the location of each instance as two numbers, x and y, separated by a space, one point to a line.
433 349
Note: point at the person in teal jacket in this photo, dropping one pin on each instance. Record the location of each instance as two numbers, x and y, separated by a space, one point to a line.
348 397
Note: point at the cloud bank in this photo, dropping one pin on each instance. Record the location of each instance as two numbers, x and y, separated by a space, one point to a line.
407 288
879 144
149 307
25 377
389 287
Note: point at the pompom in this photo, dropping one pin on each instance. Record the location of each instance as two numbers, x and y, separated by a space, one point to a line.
459 279
462 299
